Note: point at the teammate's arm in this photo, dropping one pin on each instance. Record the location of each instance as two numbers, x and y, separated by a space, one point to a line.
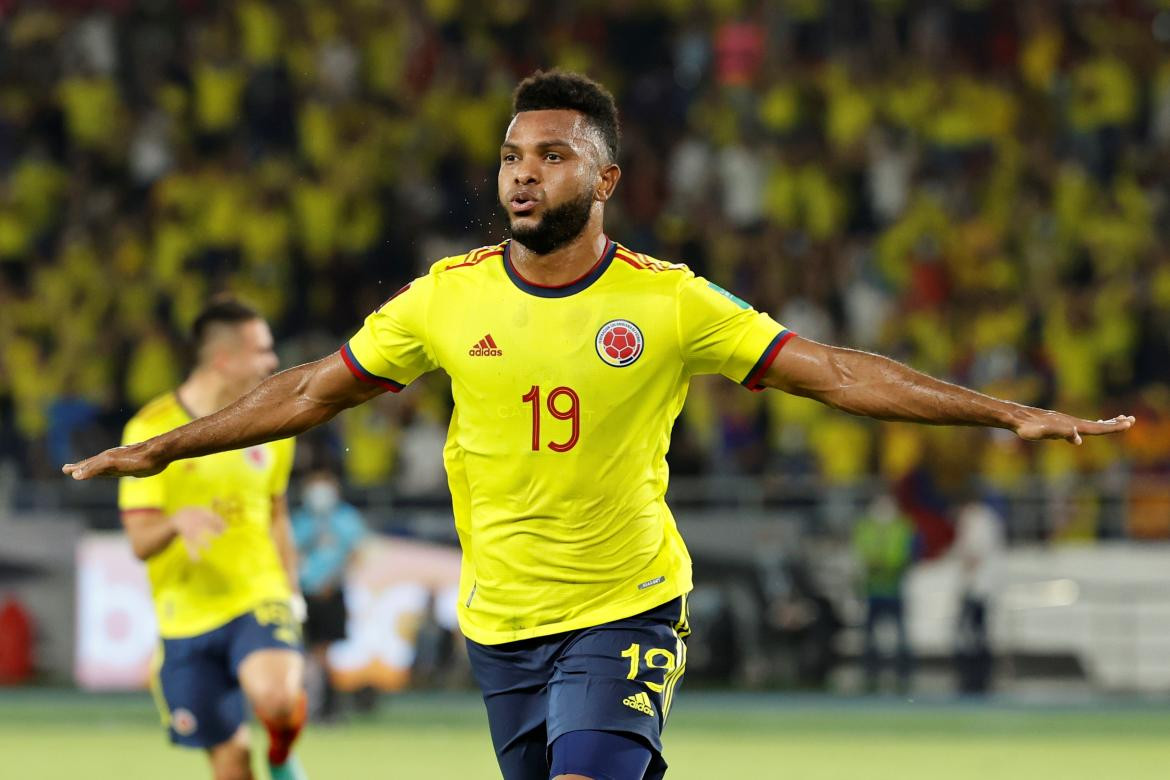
284 405
282 536
874 386
151 530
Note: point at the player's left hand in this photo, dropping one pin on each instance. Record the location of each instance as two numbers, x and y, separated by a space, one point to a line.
1043 424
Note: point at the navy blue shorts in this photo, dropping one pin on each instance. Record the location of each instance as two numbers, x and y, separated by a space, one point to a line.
619 676
195 683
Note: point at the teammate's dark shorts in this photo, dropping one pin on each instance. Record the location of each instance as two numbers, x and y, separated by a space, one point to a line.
196 684
617 677
326 618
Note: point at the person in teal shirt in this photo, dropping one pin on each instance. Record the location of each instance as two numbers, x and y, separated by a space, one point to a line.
327 532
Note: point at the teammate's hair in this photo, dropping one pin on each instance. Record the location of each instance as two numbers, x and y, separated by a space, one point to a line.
219 311
559 89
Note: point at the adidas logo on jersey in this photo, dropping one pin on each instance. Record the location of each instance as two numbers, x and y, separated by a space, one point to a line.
485 348
640 702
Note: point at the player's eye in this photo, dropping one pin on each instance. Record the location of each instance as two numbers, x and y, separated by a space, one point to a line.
509 158
553 157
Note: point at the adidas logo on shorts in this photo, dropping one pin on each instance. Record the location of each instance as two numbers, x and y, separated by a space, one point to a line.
640 702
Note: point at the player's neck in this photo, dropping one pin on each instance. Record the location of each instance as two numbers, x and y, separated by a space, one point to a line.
204 392
562 266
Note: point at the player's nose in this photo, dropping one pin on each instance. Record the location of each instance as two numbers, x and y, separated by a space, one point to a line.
526 174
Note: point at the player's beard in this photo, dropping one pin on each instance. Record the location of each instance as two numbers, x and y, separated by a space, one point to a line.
559 225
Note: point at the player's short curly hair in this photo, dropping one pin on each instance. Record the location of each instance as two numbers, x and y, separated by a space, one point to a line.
559 89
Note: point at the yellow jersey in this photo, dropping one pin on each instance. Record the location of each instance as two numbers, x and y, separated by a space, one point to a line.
564 402
242 568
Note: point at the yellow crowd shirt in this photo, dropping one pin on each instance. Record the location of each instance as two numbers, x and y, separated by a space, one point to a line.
242 568
564 402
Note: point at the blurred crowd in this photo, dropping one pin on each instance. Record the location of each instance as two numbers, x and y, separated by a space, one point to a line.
977 188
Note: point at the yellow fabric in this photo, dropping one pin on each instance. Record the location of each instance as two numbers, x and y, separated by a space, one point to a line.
849 110
36 184
91 107
558 540
384 57
371 445
318 210
317 123
174 242
471 121
971 112
156 689
152 368
265 236
260 32
1104 92
1040 58
842 445
222 214
218 94
15 233
779 108
910 101
242 567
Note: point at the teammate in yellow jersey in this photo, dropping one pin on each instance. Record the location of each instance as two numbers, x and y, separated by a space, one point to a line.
570 357
214 532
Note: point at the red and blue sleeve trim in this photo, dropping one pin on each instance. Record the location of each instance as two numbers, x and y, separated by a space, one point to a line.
359 371
752 382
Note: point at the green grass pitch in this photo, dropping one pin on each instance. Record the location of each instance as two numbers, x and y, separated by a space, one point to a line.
62 735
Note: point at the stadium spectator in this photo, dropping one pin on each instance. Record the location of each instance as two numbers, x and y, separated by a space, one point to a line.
978 545
328 532
883 542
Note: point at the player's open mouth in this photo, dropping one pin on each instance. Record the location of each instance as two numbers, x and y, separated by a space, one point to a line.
522 203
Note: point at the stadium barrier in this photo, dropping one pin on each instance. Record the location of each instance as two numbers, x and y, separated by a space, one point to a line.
395 586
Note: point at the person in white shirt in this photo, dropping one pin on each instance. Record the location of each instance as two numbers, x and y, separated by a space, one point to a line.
979 542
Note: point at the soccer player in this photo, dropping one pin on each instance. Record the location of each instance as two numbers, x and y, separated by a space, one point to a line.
570 357
214 533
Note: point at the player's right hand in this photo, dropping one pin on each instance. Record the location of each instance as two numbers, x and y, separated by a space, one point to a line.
197 526
135 460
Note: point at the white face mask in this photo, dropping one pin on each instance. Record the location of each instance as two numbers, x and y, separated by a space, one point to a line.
320 497
883 510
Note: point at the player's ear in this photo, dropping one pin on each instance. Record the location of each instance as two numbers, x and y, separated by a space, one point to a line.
607 182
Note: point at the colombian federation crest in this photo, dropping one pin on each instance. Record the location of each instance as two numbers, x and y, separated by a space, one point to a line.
183 722
257 456
619 343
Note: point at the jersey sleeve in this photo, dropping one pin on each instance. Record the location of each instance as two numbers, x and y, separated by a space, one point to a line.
140 492
284 450
721 334
392 349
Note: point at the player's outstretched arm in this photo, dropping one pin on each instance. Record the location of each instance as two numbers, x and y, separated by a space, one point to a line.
284 405
874 386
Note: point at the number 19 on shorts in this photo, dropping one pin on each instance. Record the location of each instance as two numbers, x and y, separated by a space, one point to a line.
655 658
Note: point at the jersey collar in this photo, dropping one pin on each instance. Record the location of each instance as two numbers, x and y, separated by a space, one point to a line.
563 290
